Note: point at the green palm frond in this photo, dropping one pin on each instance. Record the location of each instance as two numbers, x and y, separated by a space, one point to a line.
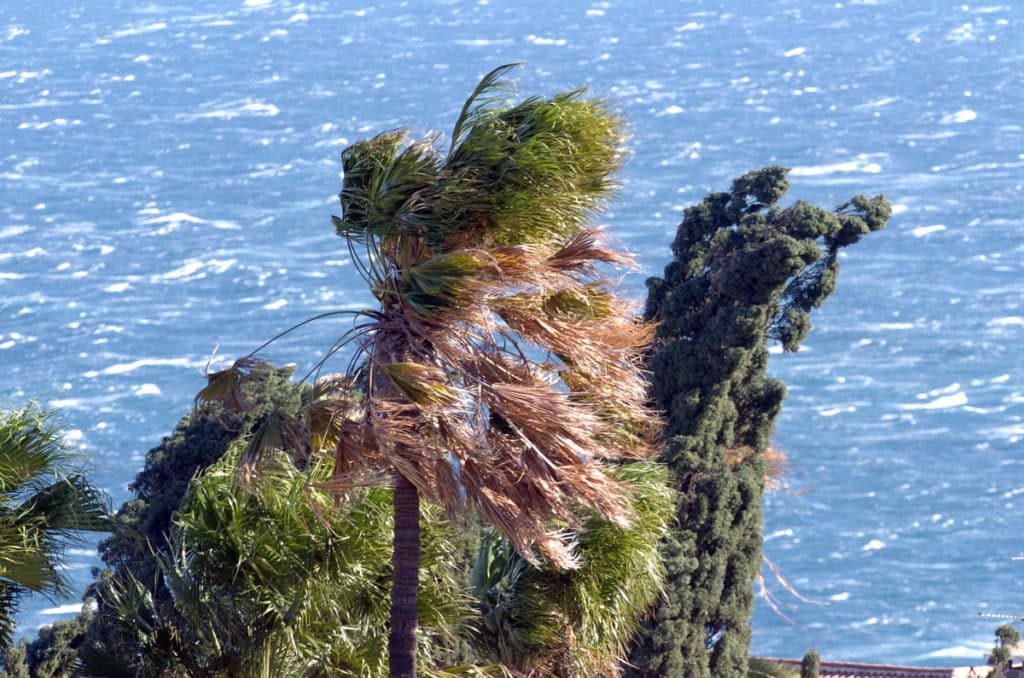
334 401
45 505
68 506
537 171
577 622
382 179
490 91
421 384
277 431
441 282
284 574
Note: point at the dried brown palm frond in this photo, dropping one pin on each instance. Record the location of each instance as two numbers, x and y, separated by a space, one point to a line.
333 402
227 386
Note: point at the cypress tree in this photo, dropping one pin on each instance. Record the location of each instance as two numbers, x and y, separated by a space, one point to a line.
810 667
744 271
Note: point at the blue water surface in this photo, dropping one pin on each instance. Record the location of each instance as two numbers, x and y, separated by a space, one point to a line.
167 172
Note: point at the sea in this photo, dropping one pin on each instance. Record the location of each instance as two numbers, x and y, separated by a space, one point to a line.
168 171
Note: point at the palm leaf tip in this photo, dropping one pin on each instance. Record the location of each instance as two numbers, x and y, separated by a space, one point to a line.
481 98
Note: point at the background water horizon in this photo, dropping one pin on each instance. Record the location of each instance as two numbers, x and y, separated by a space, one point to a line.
167 174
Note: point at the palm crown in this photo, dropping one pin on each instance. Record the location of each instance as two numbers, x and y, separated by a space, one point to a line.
501 367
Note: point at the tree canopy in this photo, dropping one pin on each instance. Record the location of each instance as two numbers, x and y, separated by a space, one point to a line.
746 271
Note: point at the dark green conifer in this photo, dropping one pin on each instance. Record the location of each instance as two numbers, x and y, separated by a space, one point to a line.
810 667
744 271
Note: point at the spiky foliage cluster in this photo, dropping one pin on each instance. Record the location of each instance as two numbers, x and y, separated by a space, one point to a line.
542 622
46 505
143 523
288 584
744 271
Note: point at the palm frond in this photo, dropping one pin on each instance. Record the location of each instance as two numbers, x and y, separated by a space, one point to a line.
484 95
289 574
278 431
333 402
227 386
382 179
542 621
45 503
68 506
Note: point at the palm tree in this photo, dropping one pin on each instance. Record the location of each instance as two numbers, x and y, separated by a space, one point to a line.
500 367
267 581
45 506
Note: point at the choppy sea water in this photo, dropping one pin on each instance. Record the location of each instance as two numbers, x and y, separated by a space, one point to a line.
167 172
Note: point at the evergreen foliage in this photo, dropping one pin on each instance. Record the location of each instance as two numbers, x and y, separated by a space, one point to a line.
744 271
765 668
269 579
1007 637
51 654
810 665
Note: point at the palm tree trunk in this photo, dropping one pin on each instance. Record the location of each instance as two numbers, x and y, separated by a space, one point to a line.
405 562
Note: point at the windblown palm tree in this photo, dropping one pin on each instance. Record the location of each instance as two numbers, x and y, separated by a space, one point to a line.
501 368
44 508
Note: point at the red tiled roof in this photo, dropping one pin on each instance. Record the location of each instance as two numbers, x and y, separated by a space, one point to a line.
856 670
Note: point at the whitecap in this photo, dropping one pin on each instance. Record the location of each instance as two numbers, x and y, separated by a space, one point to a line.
147 389
961 116
796 51
482 42
117 287
922 231
833 411
11 231
873 545
183 271
546 41
957 651
125 368
861 164
840 597
944 402
233 110
274 305
149 28
1007 321
174 218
